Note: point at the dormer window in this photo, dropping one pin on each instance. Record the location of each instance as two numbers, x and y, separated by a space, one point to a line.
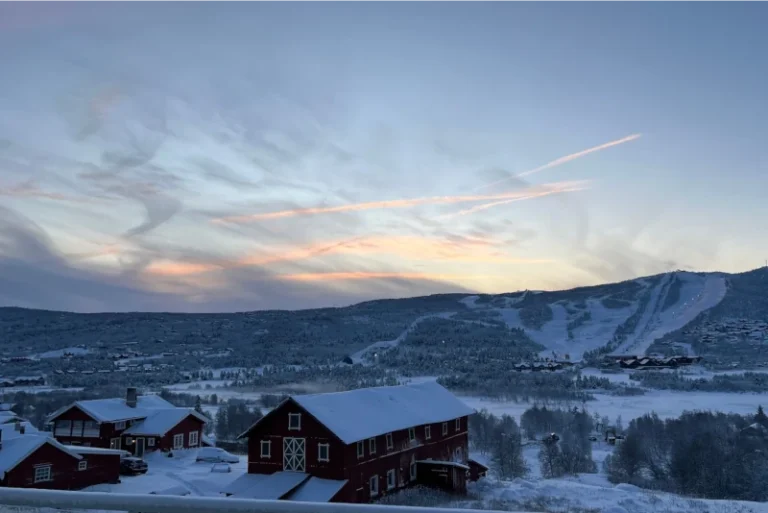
390 442
119 426
372 445
294 422
412 434
458 425
427 432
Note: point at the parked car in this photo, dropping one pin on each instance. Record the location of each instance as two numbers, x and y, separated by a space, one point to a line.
216 455
133 466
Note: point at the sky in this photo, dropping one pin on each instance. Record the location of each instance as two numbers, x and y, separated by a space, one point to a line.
210 157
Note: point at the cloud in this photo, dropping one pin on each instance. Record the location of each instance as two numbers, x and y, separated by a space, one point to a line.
367 275
29 189
532 192
563 160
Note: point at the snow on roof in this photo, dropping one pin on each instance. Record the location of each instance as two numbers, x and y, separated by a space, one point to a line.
81 449
316 490
159 422
18 448
268 487
116 409
179 490
368 412
10 431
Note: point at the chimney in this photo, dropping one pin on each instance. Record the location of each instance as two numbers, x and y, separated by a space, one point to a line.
22 429
131 397
1 439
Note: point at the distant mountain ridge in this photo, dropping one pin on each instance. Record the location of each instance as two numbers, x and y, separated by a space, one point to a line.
654 313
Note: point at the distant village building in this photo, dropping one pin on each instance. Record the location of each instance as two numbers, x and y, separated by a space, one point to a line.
137 424
358 446
31 459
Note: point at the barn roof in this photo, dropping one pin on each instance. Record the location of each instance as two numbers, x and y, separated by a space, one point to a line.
367 412
159 422
116 409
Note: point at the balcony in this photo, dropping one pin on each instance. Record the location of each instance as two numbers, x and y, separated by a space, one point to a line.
19 499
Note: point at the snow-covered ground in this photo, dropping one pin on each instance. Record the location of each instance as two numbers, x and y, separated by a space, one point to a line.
181 470
59 353
666 403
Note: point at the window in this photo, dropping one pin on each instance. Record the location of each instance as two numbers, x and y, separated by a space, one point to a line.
360 450
63 428
413 471
374 486
427 432
91 429
119 426
445 428
178 441
411 434
322 452
77 428
194 438
114 443
82 465
294 421
372 446
390 442
458 425
266 449
390 479
150 442
43 473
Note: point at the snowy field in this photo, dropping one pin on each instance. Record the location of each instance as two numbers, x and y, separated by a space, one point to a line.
666 403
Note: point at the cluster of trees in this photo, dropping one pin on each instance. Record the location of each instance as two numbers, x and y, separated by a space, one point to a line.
704 454
569 451
497 381
747 382
500 438
234 418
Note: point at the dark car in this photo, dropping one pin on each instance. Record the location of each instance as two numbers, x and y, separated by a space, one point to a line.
133 466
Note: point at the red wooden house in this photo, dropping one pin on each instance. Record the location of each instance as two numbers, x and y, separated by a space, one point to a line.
30 459
357 446
137 424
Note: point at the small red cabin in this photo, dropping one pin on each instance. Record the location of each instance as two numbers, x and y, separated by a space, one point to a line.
358 446
30 459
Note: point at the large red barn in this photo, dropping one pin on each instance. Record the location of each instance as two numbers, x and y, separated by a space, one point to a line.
357 446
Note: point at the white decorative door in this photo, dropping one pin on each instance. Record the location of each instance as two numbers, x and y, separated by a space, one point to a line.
294 454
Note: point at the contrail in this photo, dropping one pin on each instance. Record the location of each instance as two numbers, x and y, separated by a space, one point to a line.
563 160
529 193
484 206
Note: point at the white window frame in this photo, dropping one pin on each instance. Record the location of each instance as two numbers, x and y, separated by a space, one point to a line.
178 441
360 450
445 428
43 477
82 465
412 434
77 433
412 471
390 442
320 448
268 444
391 479
194 440
372 445
150 442
291 417
119 426
458 424
113 445
373 485
427 432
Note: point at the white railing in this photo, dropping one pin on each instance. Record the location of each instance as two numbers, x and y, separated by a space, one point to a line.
57 499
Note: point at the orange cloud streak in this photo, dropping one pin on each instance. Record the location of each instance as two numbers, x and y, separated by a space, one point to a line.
563 160
469 249
400 203
362 275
